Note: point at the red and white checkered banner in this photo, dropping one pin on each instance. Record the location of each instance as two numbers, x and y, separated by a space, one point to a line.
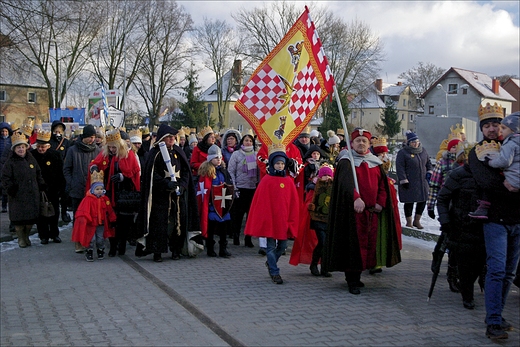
287 88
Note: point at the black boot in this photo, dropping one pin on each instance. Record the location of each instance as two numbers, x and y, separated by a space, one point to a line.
121 247
482 278
236 240
248 242
223 252
101 253
453 280
113 247
209 247
314 262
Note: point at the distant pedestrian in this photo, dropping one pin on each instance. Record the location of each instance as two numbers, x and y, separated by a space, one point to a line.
94 219
273 215
414 170
5 145
61 144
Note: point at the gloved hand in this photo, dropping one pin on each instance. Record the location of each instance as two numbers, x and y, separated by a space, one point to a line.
431 213
405 185
172 185
428 176
117 178
93 168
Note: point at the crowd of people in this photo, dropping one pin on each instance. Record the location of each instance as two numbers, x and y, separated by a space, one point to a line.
177 191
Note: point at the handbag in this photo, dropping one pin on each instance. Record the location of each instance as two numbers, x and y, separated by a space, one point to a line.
46 208
128 201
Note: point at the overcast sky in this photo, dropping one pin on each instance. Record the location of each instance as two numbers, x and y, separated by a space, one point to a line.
482 36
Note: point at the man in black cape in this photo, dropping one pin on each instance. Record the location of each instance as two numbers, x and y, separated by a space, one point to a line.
168 209
358 238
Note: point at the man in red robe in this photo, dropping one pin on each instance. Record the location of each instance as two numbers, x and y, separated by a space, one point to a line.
353 235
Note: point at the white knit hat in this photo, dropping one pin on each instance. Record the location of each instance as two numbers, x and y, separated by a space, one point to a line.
333 138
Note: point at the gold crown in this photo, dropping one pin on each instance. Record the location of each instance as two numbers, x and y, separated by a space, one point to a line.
100 132
96 176
340 132
193 130
145 130
27 126
113 136
458 129
37 122
276 147
486 148
15 126
205 131
453 136
181 133
490 111
249 132
464 148
43 135
380 141
325 164
307 130
18 138
155 128
135 133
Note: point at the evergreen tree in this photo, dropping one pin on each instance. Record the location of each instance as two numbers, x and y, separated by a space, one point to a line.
332 119
193 109
391 124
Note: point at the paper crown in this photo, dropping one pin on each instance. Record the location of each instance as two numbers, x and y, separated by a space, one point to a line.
113 136
155 128
15 126
43 135
458 129
340 132
276 147
490 111
380 141
454 136
193 130
100 132
249 132
18 138
487 148
145 130
181 133
96 176
135 133
37 123
27 126
206 130
463 148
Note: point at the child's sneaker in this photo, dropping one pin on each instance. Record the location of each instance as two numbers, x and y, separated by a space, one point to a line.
482 210
101 253
89 255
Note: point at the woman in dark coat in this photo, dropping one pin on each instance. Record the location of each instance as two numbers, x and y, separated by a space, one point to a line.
22 180
456 199
413 171
51 165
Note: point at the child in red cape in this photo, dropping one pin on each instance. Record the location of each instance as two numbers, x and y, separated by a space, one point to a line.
272 213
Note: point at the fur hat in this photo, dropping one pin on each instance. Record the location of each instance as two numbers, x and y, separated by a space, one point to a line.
333 138
411 136
214 152
512 122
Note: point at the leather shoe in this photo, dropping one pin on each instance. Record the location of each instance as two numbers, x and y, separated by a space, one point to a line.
44 241
354 290
224 254
56 239
212 254
157 257
65 217
470 305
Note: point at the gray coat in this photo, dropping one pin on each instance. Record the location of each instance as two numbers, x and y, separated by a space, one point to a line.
238 176
412 168
509 160
75 168
22 181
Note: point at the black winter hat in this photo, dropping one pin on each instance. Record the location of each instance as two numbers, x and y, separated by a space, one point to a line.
57 123
165 130
88 131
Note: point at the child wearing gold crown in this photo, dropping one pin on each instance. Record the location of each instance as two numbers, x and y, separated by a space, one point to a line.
507 159
276 197
94 219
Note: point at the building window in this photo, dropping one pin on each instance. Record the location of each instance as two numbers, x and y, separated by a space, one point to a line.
453 88
240 128
411 118
402 117
430 109
3 95
354 114
31 97
404 102
464 91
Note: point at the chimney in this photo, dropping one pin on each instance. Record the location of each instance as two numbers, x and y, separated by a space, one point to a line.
237 74
399 83
379 85
495 86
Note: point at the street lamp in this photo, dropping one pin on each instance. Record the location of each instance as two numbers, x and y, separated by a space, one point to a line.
440 87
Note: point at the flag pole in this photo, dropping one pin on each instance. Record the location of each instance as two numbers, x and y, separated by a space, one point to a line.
347 136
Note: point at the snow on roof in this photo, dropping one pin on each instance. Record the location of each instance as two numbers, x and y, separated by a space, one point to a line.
370 98
210 94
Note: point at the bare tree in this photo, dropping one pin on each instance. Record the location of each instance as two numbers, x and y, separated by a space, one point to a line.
117 52
217 42
422 76
53 36
165 25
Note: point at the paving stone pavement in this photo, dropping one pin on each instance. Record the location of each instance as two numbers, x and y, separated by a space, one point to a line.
52 296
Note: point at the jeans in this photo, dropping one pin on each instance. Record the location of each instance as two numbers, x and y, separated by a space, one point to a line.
98 240
503 250
274 251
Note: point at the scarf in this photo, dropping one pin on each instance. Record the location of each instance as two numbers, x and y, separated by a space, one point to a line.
413 150
84 147
369 158
249 165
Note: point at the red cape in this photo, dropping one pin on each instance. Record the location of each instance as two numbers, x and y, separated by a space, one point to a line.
306 241
203 197
275 209
92 211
